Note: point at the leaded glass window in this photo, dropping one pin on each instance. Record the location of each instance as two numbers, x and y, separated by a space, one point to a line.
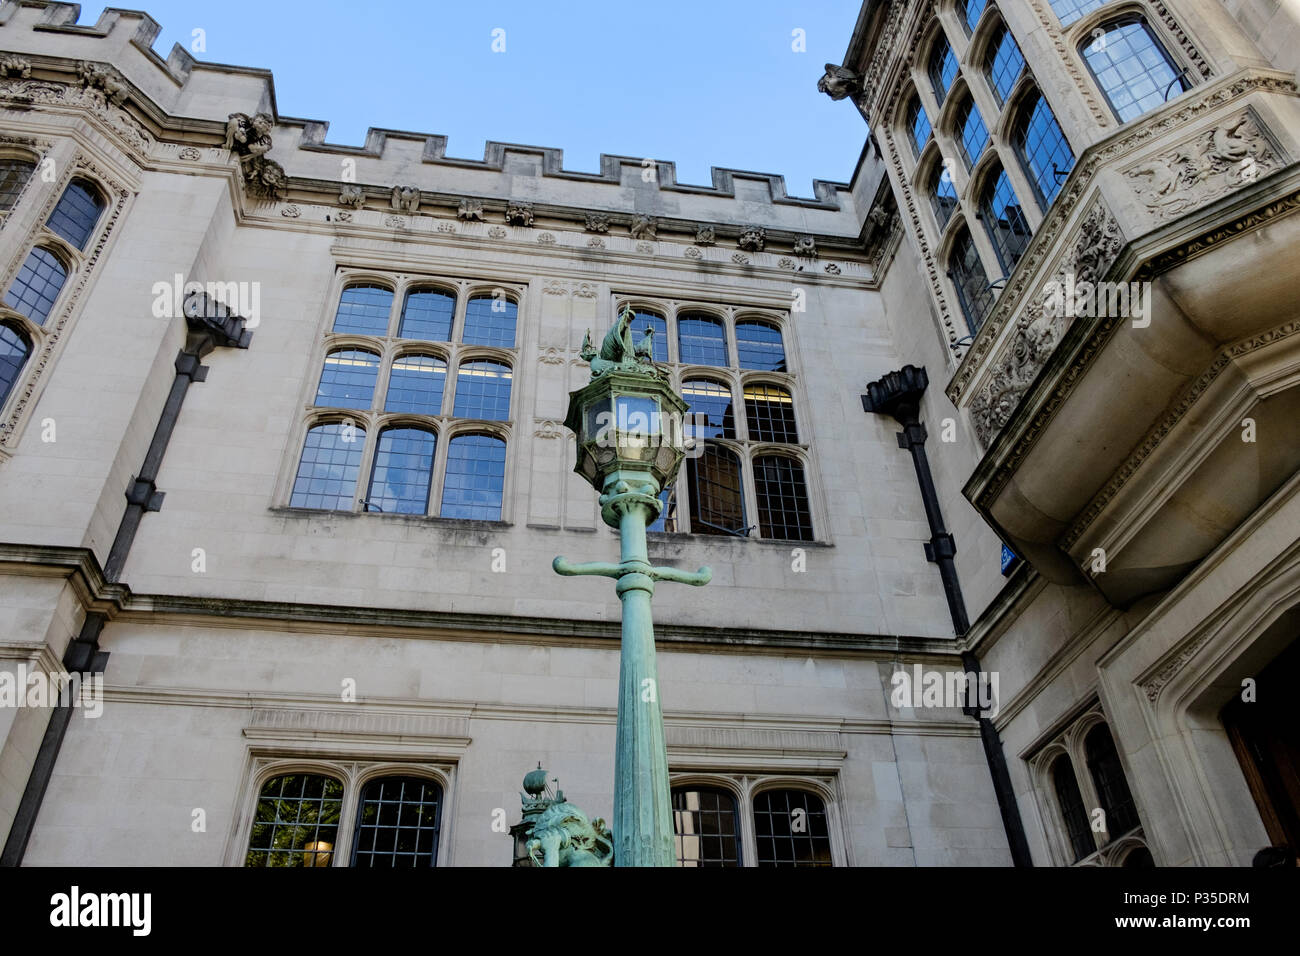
706 827
14 349
37 285
348 379
490 320
397 823
943 194
918 124
1072 809
14 174
415 385
426 314
1067 11
783 512
364 310
717 501
1108 777
1131 67
790 829
942 68
1004 220
712 415
328 469
972 284
701 340
760 346
296 821
1004 63
769 412
483 390
475 479
644 319
973 136
1042 148
972 12
403 468
76 213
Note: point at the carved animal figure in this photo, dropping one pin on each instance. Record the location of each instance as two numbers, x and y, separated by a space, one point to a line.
617 348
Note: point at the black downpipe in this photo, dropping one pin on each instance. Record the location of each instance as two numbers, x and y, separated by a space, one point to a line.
898 394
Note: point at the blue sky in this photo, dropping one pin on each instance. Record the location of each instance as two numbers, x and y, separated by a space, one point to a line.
703 83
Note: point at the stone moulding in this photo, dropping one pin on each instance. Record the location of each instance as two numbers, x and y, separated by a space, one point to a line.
27 93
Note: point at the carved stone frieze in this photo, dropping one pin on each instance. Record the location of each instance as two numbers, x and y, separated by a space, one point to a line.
705 235
104 78
645 227
26 93
11 64
519 213
597 222
351 195
805 246
753 239
405 199
470 210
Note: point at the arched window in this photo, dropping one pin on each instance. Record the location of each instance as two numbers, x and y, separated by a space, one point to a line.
364 309
397 823
14 349
918 124
943 194
967 274
415 385
645 319
717 502
1003 63
783 512
328 469
1131 67
971 13
1108 777
14 174
942 68
710 409
769 412
1004 220
760 346
37 285
972 134
348 379
76 213
1072 810
296 821
790 829
1042 148
483 390
490 320
1067 11
706 827
426 314
700 340
399 480
476 478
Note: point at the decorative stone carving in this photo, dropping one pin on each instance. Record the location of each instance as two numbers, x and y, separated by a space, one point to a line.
23 94
693 253
446 226
597 222
548 429
291 212
785 262
496 232
740 258
839 82
705 235
805 246
190 154
552 356
645 227
405 198
546 239
351 195
395 222
470 210
343 216
11 64
832 269
1196 171
519 213
585 290
645 247
555 287
595 242
1038 331
753 238
249 139
103 78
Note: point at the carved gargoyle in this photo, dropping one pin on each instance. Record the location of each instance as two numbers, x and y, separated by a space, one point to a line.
618 350
839 82
405 198
104 78
563 836
249 138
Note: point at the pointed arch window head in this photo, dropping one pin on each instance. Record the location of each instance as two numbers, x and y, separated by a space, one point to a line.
490 320
1067 11
37 285
1041 146
701 340
1131 67
348 379
790 829
1004 220
943 194
783 512
972 10
644 319
476 476
918 124
717 501
296 821
76 213
14 350
14 174
942 68
1073 813
760 346
364 310
710 409
969 279
399 480
416 384
328 469
706 827
427 314
1003 63
483 391
974 136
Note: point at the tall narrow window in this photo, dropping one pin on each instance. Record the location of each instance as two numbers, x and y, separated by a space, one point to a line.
296 821
483 391
1072 810
1131 67
717 502
973 135
710 409
1041 146
76 213
490 320
701 340
476 477
790 829
769 412
327 471
918 124
14 174
1004 63
399 479
426 314
397 823
1004 220
1067 11
645 319
972 11
760 346
415 385
943 194
364 310
348 379
942 68
706 827
783 512
14 349
37 285
1108 777
967 274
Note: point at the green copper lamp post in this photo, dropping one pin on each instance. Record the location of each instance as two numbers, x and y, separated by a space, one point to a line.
629 424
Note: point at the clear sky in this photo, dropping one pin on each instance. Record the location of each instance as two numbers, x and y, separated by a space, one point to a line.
699 82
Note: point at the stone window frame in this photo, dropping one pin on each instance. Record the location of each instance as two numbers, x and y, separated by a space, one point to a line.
1070 742
745 786
354 772
736 379
445 426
